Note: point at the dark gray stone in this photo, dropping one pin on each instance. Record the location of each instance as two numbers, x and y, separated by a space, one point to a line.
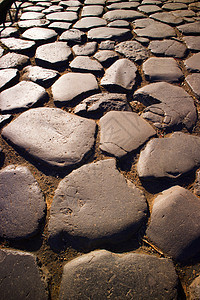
174 226
107 45
149 9
168 105
86 49
33 23
13 60
19 192
39 34
193 63
193 81
89 23
153 163
192 42
73 36
31 16
8 77
43 77
52 136
109 33
21 96
190 29
120 276
96 105
122 14
168 48
87 211
123 5
119 24
122 132
106 57
162 69
167 17
72 85
92 11
53 55
86 64
18 45
194 289
132 50
121 74
20 276
65 16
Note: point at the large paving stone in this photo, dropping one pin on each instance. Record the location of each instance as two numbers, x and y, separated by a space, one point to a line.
20 192
123 132
162 69
92 11
132 50
59 27
18 45
32 16
9 32
73 36
39 34
108 33
174 226
181 151
167 105
193 63
121 75
193 81
8 77
66 16
94 2
107 45
71 85
123 5
89 23
149 9
52 136
93 205
86 64
174 6
13 60
119 24
21 96
192 42
33 23
120 276
190 29
167 17
41 76
52 8
53 55
122 14
86 49
70 3
98 104
20 276
168 48
106 57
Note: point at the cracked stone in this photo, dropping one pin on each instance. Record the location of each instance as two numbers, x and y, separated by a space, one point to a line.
168 48
86 64
13 60
108 33
132 50
41 76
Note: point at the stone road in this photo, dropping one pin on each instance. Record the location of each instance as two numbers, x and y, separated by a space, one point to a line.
100 150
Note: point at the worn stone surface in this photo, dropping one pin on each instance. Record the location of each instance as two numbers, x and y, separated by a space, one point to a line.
72 85
39 34
190 29
88 23
106 57
13 60
192 42
96 213
31 16
108 33
19 192
18 45
41 76
123 5
121 74
167 105
20 276
8 77
4 119
86 64
73 36
65 16
33 23
132 50
123 132
167 17
107 45
174 207
194 289
193 63
162 69
181 150
9 32
141 276
86 49
92 11
52 136
119 24
122 14
60 26
168 48
149 9
193 81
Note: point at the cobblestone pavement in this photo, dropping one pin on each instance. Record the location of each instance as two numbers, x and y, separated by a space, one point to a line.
100 150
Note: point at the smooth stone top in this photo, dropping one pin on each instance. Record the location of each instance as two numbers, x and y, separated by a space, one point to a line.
13 60
18 45
67 16
92 11
192 42
86 64
52 136
132 50
122 14
39 34
189 29
193 81
8 77
33 23
108 33
193 63
123 5
167 17
32 16
72 36
168 48
89 22
86 49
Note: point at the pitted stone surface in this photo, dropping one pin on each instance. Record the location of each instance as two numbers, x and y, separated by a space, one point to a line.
8 77
13 60
162 69
167 17
181 150
21 96
53 55
89 23
193 81
107 45
40 75
193 63
192 42
167 105
39 34
123 132
52 136
121 74
92 11
108 33
66 16
141 276
72 85
86 64
168 48
122 14
98 104
18 45
106 57
132 50
87 211
73 36
20 276
19 192
86 49
174 226
33 23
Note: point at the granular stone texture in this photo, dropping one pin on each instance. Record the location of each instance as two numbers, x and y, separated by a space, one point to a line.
193 81
18 45
39 34
108 33
86 49
132 50
13 60
194 289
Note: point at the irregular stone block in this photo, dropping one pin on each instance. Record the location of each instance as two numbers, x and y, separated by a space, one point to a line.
132 50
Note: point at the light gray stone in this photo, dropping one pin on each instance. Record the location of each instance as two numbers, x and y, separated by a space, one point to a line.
9 32
5 119
39 34
52 136
167 17
193 63
107 45
106 57
108 33
33 23
73 36
87 211
18 45
149 9
86 49
132 50
174 226
192 42
41 76
86 64
52 8
123 5
70 3
13 60
193 81
123 132
60 26
1 51
88 23
94 2
8 77
174 6
122 14
31 16
64 16
153 163
168 48
119 24
92 11
190 29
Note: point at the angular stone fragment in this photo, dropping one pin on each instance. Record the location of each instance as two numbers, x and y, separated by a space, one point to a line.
19 192
168 48
73 36
123 132
52 136
13 60
162 69
86 64
121 74
33 23
174 226
8 77
87 211
193 81
194 289
31 16
1 51
180 149
122 14
39 75
167 17
89 23
18 45
192 42
168 105
53 55
193 63
190 29
66 16
21 96
132 50
71 85
109 33
92 11
128 276
86 49
20 276
95 106
106 57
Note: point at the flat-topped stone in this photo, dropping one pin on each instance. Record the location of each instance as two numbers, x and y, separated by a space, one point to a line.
149 9
18 45
21 96
41 76
39 34
168 48
88 23
119 24
192 42
70 3
193 81
94 2
65 16
73 36
9 32
13 60
52 136
167 17
132 50
109 33
33 23
107 45
190 29
32 16
92 11
141 276
193 63
86 64
96 213
8 77
174 226
123 5
106 57
174 6
122 14
153 163
123 132
52 8
60 26
86 49
72 85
